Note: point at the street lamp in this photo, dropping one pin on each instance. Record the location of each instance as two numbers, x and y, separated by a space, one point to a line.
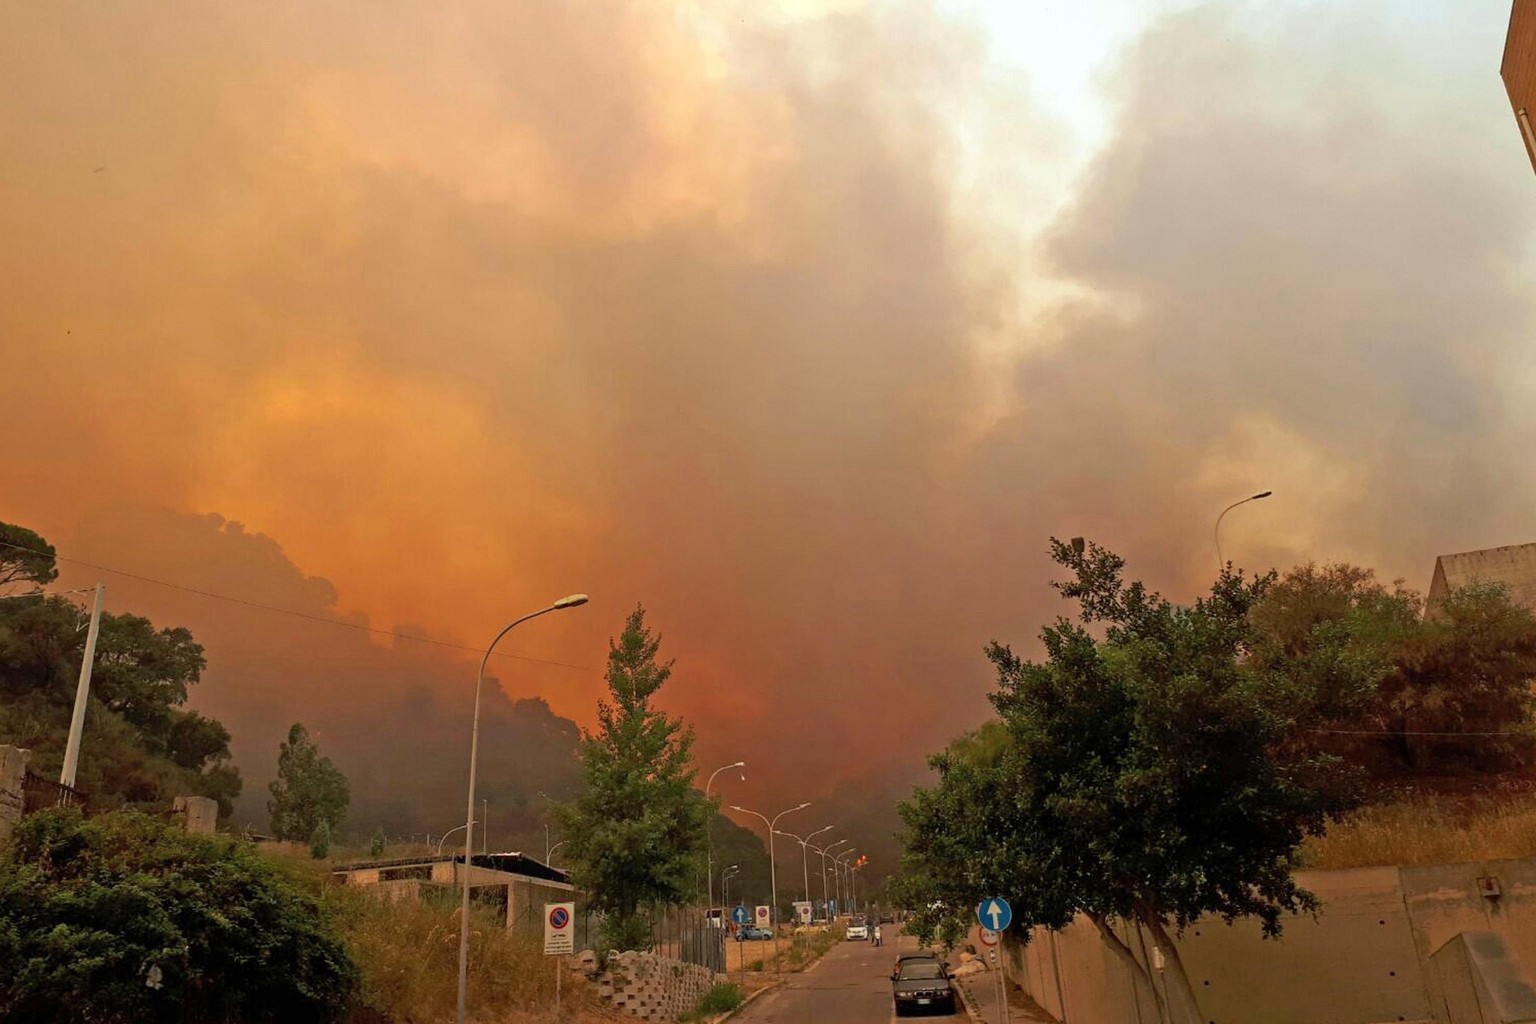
844 880
709 836
773 874
725 885
445 838
1216 532
573 601
548 862
827 850
805 871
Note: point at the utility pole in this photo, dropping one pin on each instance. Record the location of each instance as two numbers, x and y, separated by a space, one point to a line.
82 693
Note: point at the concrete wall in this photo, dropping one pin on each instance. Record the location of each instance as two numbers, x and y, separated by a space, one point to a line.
198 814
13 771
1391 944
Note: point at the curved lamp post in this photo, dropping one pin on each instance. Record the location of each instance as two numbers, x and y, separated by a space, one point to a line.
838 888
709 856
725 885
575 600
773 875
805 871
444 838
844 877
1216 532
547 857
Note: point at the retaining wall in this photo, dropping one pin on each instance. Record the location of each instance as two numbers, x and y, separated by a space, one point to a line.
1449 944
652 987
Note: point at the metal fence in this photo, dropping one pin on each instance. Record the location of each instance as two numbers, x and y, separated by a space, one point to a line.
39 794
684 933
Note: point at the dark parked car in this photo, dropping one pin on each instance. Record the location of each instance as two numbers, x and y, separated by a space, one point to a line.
920 983
752 933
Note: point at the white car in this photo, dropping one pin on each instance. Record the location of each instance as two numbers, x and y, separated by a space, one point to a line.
858 930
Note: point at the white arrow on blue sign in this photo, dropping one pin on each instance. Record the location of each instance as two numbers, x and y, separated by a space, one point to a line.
994 913
740 915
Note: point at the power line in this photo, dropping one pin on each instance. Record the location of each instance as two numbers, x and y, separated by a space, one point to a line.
283 611
1389 732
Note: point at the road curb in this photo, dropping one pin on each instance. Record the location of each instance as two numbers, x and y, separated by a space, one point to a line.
749 1000
965 998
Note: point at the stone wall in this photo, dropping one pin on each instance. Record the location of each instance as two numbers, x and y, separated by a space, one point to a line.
13 773
652 987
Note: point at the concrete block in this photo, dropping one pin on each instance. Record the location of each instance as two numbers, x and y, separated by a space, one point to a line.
198 814
13 773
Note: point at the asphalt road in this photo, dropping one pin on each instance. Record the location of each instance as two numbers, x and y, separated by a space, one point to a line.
850 985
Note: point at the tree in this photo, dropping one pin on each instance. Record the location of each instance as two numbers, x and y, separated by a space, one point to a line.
636 835
1149 776
25 557
1465 668
124 919
309 790
142 747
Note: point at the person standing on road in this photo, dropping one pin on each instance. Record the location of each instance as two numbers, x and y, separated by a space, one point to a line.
877 934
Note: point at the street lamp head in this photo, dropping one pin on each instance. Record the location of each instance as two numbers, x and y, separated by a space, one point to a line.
574 601
802 806
1261 494
738 807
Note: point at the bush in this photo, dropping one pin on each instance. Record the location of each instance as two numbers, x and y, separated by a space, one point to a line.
123 919
723 998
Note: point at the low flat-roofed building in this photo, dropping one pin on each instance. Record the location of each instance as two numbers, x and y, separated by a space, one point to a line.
1514 566
515 881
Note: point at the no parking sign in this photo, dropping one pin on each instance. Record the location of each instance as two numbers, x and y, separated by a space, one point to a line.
559 929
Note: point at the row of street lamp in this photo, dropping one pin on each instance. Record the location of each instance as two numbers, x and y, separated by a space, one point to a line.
842 870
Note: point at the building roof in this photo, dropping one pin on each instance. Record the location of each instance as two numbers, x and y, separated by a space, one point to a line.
513 863
1514 566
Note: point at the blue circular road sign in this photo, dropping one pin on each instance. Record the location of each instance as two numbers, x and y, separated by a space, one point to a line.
739 914
994 913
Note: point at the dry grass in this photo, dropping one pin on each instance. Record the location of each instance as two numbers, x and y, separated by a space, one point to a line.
795 954
1429 830
408 954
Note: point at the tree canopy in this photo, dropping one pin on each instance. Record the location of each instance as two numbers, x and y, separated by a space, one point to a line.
309 795
142 746
1145 770
25 557
1456 694
123 918
636 836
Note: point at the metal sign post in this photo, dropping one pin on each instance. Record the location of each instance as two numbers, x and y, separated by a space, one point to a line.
559 938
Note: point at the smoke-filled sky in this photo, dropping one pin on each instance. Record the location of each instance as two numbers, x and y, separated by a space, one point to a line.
803 324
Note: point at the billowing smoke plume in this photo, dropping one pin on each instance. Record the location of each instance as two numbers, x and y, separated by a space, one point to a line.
682 304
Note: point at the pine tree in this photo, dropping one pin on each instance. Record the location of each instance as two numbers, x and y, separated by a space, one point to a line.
309 790
637 833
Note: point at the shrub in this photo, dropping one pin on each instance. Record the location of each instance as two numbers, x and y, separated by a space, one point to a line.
723 998
122 919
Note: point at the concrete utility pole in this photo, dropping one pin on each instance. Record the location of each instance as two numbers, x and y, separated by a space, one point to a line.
82 693
837 889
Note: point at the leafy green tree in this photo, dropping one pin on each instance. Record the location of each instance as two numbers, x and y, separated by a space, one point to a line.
309 790
320 842
1465 668
1149 776
25 557
123 919
376 844
636 836
142 746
